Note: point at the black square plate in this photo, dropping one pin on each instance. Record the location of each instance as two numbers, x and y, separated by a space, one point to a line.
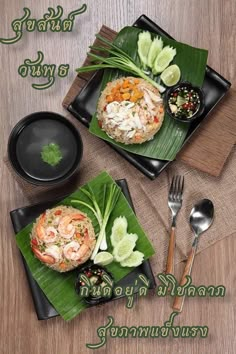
84 105
24 216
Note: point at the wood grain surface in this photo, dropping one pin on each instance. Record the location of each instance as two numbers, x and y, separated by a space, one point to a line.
179 301
205 23
171 253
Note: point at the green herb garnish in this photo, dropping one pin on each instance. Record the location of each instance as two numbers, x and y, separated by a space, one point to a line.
51 154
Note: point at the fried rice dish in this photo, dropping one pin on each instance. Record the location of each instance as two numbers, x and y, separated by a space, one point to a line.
63 238
130 110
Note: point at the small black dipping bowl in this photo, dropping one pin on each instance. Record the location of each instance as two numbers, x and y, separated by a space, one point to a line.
88 271
189 86
27 140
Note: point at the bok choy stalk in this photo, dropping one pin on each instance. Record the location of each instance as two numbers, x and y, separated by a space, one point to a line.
111 195
118 59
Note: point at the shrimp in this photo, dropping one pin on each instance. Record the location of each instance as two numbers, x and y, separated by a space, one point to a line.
71 250
77 252
86 248
53 251
43 257
47 235
65 228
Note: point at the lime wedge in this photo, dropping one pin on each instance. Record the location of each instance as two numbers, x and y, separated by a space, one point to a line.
144 44
171 75
124 248
164 59
119 230
155 49
103 258
134 260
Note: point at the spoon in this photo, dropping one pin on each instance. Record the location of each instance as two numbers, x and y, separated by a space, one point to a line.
201 218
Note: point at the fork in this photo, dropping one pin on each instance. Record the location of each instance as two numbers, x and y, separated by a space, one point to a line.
174 202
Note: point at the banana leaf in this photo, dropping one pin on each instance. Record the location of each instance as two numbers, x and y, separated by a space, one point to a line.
60 287
169 140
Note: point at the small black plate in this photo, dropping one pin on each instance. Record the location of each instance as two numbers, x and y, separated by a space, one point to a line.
31 134
84 105
24 216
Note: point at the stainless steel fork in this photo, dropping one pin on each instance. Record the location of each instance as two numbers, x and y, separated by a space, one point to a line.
174 202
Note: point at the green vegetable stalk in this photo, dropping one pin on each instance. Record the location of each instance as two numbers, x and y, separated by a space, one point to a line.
110 197
118 60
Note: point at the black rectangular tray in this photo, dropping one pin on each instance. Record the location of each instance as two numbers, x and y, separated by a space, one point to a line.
85 103
24 216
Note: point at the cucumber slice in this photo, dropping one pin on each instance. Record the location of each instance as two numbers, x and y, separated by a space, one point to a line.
119 230
144 44
171 75
134 260
124 248
155 49
132 237
164 59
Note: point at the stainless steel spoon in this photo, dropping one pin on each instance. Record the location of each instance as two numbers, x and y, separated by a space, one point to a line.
201 218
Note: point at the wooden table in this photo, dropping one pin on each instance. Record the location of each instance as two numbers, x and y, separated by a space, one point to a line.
205 23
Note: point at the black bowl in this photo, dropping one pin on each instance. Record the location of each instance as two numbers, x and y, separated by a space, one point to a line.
200 109
90 267
31 134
